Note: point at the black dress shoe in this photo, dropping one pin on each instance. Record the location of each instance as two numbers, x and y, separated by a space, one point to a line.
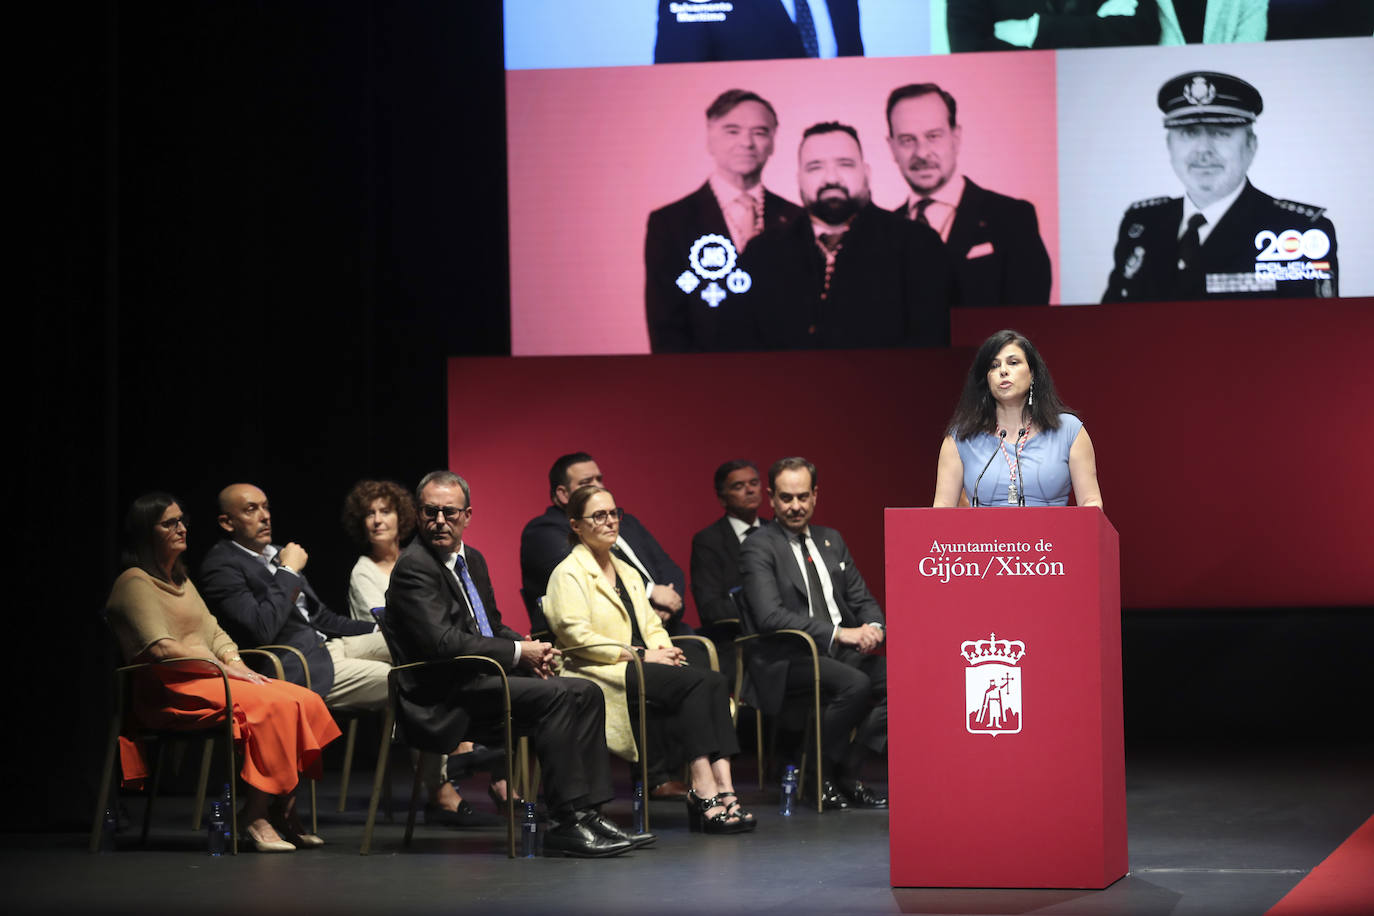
578 839
609 828
480 759
861 796
832 798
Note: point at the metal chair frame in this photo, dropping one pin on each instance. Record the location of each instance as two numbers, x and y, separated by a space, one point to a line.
384 750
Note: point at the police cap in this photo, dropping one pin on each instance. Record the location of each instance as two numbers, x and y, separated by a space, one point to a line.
1205 97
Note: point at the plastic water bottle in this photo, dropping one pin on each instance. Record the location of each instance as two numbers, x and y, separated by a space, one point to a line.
108 827
529 833
217 833
638 809
789 791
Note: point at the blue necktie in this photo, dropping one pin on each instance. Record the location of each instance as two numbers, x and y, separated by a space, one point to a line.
806 25
470 587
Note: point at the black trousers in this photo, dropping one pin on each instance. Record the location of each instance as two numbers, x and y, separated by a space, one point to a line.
566 720
689 706
854 697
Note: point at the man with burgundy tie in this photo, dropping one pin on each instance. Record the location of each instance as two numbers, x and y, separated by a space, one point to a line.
1225 238
993 240
852 274
440 604
801 576
692 244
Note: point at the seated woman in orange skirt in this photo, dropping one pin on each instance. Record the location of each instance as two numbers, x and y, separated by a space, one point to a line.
157 613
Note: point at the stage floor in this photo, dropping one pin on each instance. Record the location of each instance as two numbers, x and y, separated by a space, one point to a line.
1225 831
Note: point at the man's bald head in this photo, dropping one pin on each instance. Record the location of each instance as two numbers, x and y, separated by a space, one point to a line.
245 516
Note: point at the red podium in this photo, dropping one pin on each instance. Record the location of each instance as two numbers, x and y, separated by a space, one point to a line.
1004 691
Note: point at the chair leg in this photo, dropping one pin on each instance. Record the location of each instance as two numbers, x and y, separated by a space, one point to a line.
153 779
820 776
205 756
102 798
349 740
414 800
383 755
314 812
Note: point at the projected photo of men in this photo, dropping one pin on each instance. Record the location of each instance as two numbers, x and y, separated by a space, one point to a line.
692 239
993 240
1003 25
852 274
1224 237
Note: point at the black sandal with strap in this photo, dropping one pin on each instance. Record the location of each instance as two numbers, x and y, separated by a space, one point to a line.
700 822
733 808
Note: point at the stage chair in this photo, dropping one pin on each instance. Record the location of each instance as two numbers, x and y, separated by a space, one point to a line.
122 679
744 690
474 664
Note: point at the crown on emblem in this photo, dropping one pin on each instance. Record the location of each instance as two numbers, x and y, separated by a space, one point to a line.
1200 91
992 649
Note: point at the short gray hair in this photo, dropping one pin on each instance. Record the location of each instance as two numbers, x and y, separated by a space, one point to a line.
443 479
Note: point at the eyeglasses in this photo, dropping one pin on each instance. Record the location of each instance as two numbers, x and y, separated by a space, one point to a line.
603 516
172 524
448 512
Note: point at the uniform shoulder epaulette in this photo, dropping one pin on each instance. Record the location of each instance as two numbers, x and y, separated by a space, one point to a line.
1149 202
1308 210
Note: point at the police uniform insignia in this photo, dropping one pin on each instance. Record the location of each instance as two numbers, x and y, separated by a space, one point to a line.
1149 202
1307 210
1136 230
1133 263
1200 91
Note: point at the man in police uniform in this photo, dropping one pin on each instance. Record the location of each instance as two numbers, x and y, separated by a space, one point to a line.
1224 238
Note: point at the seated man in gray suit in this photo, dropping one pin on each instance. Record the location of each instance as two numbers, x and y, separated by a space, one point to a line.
801 576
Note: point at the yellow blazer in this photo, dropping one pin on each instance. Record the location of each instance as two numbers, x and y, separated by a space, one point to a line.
582 606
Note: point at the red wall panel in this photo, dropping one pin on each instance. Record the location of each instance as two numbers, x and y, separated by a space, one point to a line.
1234 440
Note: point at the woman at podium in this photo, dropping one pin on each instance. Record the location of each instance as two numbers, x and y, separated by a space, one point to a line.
1011 441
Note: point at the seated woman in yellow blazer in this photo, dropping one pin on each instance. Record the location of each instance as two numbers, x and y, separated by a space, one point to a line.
593 597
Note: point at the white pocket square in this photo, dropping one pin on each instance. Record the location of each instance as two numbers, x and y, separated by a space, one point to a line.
981 250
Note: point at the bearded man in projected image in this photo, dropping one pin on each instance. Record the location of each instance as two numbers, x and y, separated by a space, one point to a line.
1224 238
853 274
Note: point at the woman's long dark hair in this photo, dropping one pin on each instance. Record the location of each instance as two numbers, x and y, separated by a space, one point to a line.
140 524
977 411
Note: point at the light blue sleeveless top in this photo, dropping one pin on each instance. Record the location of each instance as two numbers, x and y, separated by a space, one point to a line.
1044 465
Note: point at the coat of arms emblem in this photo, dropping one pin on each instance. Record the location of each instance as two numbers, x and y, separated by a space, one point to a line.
992 685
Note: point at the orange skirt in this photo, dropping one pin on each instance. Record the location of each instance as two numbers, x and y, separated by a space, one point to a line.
279 727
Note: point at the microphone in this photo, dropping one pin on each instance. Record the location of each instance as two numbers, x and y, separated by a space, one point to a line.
1020 484
1002 433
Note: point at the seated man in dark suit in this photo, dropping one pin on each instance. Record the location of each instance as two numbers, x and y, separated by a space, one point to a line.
853 275
259 594
993 240
440 604
758 30
801 576
683 303
715 555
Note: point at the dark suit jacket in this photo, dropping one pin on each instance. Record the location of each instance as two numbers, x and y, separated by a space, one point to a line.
1063 24
544 544
682 322
754 30
892 287
1145 261
428 617
1010 265
256 607
776 593
715 571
